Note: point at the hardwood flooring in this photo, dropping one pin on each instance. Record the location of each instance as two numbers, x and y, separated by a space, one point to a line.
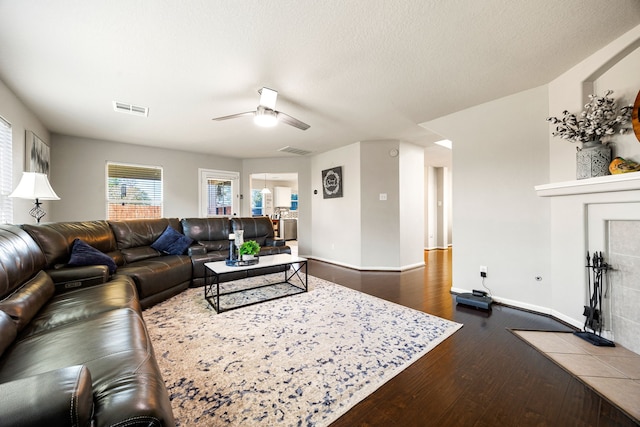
481 376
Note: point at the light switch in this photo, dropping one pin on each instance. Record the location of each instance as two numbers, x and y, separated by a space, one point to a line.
383 196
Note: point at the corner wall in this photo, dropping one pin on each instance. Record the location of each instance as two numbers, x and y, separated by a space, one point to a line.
336 235
613 67
500 152
22 119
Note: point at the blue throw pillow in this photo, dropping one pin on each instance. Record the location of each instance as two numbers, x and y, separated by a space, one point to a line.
84 254
171 242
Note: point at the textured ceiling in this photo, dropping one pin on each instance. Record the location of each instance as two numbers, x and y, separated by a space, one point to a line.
355 70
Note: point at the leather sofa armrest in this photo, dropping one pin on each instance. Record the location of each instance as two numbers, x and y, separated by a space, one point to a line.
197 250
69 278
63 397
275 241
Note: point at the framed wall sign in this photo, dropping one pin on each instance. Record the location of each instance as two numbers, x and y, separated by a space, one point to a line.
36 154
332 183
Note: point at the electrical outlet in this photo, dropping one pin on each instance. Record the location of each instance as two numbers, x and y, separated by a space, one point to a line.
483 271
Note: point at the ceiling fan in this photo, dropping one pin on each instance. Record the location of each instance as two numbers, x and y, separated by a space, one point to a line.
266 114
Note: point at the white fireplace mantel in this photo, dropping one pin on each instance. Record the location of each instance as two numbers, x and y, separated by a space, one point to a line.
602 184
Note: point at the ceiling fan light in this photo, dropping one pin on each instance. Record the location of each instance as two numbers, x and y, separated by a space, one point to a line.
265 117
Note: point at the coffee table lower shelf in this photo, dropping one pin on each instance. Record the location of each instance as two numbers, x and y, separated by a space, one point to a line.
294 275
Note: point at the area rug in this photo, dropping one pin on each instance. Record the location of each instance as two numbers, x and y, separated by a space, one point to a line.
302 360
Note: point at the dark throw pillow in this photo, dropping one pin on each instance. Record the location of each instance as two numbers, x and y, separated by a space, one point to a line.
84 254
171 242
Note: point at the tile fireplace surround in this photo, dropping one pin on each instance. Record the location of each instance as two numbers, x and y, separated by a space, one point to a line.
597 214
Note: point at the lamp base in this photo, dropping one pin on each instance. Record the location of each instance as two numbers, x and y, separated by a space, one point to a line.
37 212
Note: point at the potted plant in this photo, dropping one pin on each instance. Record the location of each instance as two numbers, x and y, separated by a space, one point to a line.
248 250
594 128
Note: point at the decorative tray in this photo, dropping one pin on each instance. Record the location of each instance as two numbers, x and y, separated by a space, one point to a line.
241 263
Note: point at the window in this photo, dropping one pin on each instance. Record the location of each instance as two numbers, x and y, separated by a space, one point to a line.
133 191
6 172
294 201
256 202
219 197
218 193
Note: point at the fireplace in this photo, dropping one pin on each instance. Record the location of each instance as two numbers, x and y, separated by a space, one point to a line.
615 229
597 214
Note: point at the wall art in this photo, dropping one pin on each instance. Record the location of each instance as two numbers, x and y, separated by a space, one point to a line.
332 183
36 154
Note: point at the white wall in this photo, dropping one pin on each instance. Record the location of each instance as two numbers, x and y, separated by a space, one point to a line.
500 152
380 219
617 66
613 67
412 194
78 176
22 119
336 232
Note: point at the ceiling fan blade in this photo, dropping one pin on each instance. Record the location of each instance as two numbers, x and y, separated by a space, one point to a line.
285 118
268 98
233 116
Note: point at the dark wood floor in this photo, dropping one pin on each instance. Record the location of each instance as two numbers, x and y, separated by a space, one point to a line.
481 376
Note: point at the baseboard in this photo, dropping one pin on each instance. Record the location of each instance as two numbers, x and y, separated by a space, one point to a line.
371 268
545 311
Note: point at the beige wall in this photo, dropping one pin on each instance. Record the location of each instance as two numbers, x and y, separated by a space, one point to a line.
78 176
22 119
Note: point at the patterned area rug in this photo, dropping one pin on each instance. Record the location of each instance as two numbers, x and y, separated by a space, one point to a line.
303 360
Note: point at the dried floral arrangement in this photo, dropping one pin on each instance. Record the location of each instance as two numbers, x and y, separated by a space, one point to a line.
598 122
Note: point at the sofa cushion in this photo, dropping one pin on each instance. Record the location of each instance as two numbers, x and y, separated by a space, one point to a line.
56 239
214 231
171 242
25 302
63 397
84 254
258 228
20 258
82 304
8 331
127 384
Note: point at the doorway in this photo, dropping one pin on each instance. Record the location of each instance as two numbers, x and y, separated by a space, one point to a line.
276 195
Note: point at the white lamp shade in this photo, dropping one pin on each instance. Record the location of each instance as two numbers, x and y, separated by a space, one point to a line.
34 185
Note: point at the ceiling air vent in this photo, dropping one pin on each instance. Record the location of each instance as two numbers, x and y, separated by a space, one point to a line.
293 150
123 107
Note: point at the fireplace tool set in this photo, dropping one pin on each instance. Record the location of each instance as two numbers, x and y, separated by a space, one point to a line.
596 272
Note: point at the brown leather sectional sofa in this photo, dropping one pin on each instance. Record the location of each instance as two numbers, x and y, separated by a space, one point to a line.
74 349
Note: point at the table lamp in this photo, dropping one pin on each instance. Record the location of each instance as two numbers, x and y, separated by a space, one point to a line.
34 185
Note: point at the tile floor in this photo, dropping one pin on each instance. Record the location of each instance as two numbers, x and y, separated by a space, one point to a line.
614 372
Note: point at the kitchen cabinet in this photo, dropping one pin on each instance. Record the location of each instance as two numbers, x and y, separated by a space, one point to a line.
282 197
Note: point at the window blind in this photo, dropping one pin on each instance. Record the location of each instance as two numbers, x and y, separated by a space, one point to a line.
219 197
133 191
6 172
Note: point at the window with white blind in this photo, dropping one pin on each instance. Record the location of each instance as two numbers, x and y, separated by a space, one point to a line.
133 191
6 172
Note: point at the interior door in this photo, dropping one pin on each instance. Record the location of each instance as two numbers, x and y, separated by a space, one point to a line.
219 193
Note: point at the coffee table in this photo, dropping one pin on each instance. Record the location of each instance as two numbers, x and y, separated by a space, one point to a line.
294 282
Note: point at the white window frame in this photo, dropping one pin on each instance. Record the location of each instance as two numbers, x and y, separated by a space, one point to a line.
204 176
6 171
133 165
